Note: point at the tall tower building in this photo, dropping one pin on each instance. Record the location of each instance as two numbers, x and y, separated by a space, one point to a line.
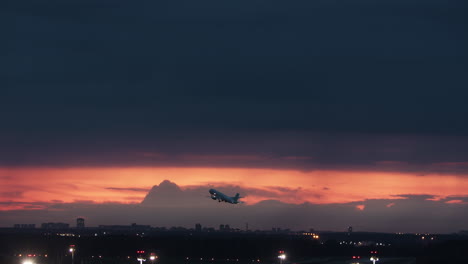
80 223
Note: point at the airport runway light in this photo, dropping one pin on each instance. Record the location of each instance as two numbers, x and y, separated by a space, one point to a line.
28 262
374 259
72 251
282 256
153 257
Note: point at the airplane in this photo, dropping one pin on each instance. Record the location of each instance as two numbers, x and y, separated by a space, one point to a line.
221 197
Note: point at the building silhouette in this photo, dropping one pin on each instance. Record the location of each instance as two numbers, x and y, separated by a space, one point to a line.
80 223
224 228
24 226
55 226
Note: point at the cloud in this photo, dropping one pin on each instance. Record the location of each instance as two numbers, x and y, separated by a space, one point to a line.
169 194
391 162
215 158
167 204
297 158
14 205
84 115
151 155
84 201
135 199
452 164
128 189
416 196
360 207
454 202
303 151
11 195
290 186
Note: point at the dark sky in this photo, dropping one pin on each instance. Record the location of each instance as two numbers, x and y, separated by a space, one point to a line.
236 77
252 84
344 66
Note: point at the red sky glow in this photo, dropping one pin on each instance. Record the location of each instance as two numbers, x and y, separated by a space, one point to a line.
130 185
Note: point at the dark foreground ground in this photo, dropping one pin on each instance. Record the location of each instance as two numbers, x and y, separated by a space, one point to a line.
228 248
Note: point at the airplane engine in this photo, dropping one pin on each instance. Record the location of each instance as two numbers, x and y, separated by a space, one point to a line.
213 197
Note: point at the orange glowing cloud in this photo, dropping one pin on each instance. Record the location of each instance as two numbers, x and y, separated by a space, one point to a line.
454 202
130 185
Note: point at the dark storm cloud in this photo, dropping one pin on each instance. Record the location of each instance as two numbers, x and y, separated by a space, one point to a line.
416 196
92 83
342 151
392 66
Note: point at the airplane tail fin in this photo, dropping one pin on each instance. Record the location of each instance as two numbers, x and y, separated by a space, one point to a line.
236 198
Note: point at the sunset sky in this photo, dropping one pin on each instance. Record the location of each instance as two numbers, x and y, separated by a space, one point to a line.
321 114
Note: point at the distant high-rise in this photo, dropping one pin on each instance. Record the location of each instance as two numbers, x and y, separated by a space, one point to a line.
80 223
224 228
276 229
198 227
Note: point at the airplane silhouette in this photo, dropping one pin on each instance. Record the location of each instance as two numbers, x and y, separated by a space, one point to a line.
221 197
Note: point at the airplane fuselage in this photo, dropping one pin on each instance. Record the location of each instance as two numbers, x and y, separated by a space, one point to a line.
221 197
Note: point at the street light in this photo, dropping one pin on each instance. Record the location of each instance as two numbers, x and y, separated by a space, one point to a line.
140 257
282 256
153 257
72 251
374 259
